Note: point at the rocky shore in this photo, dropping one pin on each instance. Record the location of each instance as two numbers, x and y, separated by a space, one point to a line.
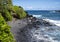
21 28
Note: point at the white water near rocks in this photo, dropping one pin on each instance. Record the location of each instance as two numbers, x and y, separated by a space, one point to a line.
56 22
40 34
37 16
46 33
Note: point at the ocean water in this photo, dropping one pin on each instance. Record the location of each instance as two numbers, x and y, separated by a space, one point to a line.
48 15
45 33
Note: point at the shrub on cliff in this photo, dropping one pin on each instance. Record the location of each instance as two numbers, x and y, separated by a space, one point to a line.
5 34
19 11
7 15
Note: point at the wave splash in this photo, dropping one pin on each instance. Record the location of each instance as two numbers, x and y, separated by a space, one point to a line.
46 34
56 22
37 16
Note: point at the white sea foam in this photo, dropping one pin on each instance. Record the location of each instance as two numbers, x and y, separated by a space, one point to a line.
42 37
52 11
44 34
37 16
56 22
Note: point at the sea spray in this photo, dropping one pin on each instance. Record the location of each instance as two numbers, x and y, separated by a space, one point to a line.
56 22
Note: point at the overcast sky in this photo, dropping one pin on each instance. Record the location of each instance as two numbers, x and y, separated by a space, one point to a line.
38 4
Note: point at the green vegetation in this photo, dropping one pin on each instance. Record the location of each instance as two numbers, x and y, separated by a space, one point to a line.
4 10
19 12
5 34
7 15
7 12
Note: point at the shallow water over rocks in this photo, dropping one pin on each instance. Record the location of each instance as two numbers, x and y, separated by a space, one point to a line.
41 34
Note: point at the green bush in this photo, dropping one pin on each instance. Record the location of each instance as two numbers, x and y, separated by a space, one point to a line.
7 15
23 15
19 12
5 34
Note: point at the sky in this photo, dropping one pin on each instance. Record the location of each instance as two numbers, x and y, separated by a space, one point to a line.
38 4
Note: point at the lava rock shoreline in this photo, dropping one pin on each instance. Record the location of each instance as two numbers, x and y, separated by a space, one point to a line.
21 28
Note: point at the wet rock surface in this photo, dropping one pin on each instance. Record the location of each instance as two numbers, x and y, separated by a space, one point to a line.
32 34
36 30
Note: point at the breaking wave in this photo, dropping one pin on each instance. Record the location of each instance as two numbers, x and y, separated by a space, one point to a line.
37 16
56 22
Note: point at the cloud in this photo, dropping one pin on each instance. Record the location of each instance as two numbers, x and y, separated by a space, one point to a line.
29 7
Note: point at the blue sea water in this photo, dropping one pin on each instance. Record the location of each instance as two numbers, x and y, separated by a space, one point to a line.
45 14
48 15
46 33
